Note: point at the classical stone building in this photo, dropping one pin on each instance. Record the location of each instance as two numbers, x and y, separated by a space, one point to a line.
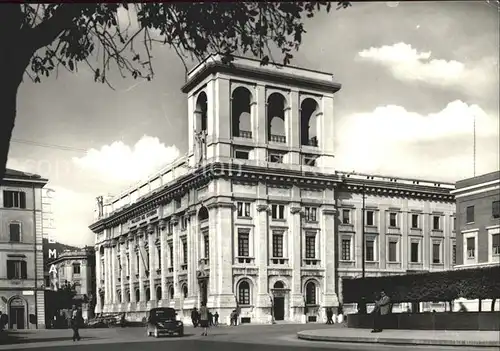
249 217
21 256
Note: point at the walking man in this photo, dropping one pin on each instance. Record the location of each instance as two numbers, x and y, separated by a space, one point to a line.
75 323
216 318
382 309
194 317
329 315
204 318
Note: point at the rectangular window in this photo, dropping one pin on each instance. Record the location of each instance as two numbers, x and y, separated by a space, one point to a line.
495 209
393 251
495 238
14 199
76 269
243 244
414 252
454 254
171 255
471 247
435 223
345 216
414 221
244 293
311 214
370 218
243 209
310 246
185 252
242 155
277 245
278 211
469 214
158 261
392 219
436 252
454 223
15 232
137 263
370 250
206 245
17 269
276 158
346 249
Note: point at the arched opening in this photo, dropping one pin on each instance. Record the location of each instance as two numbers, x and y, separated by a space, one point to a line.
276 104
137 295
171 292
201 112
203 214
17 313
158 293
279 285
203 217
241 100
126 297
309 122
244 293
185 291
148 294
311 298
119 296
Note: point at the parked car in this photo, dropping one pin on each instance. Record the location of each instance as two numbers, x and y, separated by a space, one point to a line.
163 321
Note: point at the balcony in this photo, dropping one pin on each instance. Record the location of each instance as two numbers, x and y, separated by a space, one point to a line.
244 260
279 261
311 262
184 267
245 134
277 138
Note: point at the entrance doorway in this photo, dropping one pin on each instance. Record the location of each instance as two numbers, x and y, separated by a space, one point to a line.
279 308
17 314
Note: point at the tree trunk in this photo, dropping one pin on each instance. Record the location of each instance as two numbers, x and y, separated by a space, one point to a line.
493 304
450 305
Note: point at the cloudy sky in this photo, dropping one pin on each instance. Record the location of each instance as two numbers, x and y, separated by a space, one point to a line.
413 77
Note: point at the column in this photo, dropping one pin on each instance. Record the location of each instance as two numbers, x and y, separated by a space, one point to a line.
329 254
293 126
192 233
114 265
98 276
152 265
141 267
163 263
107 276
176 249
260 125
131 272
295 261
123 272
262 258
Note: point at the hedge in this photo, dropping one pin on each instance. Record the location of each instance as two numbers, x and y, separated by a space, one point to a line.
474 283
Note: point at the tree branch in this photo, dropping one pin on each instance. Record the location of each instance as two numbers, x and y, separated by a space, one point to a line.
47 31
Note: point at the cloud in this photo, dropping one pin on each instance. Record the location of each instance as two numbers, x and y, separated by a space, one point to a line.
121 162
392 140
408 64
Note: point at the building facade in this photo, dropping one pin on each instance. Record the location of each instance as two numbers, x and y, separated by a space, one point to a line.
75 267
248 218
478 220
21 256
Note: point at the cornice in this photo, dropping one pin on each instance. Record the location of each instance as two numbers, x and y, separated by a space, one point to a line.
401 190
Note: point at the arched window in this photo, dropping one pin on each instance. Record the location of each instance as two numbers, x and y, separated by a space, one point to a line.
171 292
148 294
276 118
203 214
311 293
158 292
279 285
244 293
201 112
119 296
240 113
185 291
308 122
126 297
137 295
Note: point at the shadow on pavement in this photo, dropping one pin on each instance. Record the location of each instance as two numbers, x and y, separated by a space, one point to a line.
9 339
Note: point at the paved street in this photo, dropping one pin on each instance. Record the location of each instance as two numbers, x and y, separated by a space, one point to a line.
242 338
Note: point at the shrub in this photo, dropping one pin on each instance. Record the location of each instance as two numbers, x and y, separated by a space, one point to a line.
474 283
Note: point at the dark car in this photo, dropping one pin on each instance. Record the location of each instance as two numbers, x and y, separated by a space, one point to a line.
163 321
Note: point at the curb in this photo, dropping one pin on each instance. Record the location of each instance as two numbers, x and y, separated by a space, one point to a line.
396 341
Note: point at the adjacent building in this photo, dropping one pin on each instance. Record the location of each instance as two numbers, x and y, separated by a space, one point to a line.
478 220
21 256
255 215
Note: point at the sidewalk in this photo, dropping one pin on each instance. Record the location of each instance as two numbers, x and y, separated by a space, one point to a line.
405 337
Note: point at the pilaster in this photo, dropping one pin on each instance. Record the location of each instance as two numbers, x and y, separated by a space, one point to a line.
260 130
177 264
152 259
262 254
163 262
123 273
113 272
295 257
99 285
132 270
142 268
330 298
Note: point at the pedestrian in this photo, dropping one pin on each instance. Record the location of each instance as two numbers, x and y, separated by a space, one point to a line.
210 319
75 323
122 320
194 317
234 318
216 319
329 315
204 318
382 309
